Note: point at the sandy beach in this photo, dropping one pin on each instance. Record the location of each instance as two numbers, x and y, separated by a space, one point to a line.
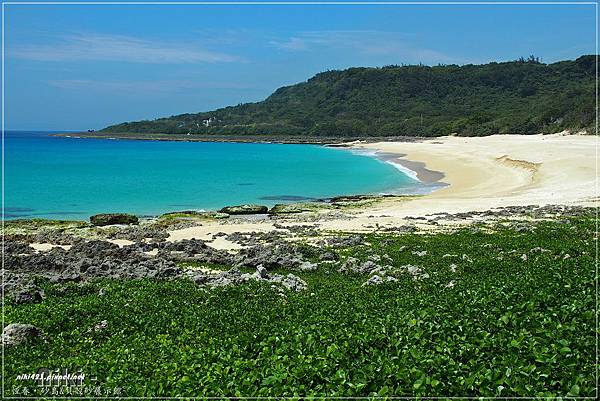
500 170
482 173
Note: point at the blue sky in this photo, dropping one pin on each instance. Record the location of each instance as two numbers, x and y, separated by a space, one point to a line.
74 67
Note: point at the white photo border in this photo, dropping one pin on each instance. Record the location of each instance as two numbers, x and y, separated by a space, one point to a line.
307 3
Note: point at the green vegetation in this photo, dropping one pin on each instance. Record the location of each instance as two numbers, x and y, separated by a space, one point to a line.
510 326
31 227
36 224
523 96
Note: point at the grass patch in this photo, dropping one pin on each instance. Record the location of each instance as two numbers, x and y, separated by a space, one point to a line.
29 225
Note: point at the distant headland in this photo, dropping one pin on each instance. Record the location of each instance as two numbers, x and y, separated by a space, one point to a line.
517 97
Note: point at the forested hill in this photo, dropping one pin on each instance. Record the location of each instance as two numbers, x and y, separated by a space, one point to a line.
523 96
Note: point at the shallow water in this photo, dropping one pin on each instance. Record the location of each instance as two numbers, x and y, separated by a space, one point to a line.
71 178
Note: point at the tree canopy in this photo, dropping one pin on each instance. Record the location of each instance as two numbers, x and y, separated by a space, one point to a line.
523 96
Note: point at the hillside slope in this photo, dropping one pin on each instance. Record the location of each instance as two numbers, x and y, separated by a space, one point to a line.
523 96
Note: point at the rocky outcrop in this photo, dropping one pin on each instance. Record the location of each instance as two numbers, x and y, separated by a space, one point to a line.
377 280
85 260
235 277
106 219
270 256
89 260
29 295
244 209
345 241
292 208
17 333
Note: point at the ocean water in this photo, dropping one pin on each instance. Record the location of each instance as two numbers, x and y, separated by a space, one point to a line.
72 178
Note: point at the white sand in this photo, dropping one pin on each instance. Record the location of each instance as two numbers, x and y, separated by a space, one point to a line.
503 170
482 173
121 242
43 247
206 230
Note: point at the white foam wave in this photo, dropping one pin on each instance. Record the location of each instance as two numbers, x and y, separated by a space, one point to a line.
375 154
405 170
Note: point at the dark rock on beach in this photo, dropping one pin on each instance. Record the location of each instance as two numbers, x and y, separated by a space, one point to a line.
270 256
291 208
244 209
106 219
345 241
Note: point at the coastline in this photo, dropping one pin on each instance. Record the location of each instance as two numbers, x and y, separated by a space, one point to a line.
417 170
481 174
301 140
478 174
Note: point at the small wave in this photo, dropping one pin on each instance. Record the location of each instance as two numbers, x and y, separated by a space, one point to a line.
377 155
405 170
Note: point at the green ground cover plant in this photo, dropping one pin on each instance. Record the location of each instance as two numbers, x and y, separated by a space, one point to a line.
509 325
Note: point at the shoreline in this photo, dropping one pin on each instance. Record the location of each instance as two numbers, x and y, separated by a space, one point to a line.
292 140
478 174
415 169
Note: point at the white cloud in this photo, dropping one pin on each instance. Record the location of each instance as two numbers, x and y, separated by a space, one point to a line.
104 47
367 42
166 86
293 43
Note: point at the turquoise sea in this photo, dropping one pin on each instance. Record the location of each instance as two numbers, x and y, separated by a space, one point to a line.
73 178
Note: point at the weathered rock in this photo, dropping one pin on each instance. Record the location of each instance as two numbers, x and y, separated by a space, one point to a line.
416 272
244 209
349 264
262 272
374 280
367 267
15 248
401 229
29 296
138 233
271 256
18 333
231 277
377 280
346 242
106 219
308 266
292 208
328 257
198 277
352 265
293 283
